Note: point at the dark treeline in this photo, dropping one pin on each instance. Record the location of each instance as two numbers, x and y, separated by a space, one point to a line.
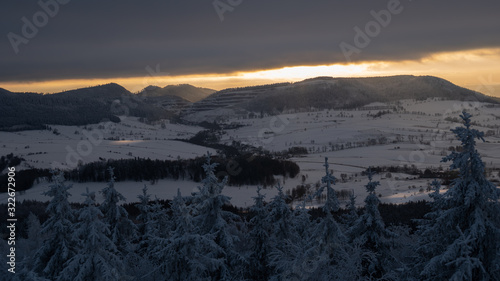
241 170
392 214
406 214
9 160
210 138
446 176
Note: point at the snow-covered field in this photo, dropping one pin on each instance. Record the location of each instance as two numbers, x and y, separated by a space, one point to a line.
352 140
129 139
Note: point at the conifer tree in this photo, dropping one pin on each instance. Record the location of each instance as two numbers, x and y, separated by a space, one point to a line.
186 255
427 246
153 218
159 223
280 217
351 217
370 233
58 247
140 262
332 202
122 229
301 222
286 254
145 211
465 228
97 257
213 221
29 247
260 240
34 239
328 249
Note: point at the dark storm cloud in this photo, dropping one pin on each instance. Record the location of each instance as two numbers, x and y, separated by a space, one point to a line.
102 39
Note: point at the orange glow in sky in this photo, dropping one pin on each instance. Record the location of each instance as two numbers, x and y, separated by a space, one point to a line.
474 69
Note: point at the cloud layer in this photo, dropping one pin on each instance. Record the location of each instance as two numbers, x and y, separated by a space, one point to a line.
105 39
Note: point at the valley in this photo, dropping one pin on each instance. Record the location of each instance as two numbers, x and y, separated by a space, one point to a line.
403 133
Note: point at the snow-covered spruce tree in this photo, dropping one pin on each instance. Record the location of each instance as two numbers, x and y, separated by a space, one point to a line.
27 248
140 263
159 224
370 233
34 230
284 253
97 257
212 221
153 217
280 217
301 221
308 260
122 229
144 211
290 251
259 239
58 247
464 233
327 252
33 240
332 202
427 246
351 217
316 253
186 255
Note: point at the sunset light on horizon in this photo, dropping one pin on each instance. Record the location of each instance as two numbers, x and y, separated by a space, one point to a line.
457 67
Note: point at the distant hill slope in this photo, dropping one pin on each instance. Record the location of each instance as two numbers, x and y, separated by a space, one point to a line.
3 91
184 91
22 111
329 92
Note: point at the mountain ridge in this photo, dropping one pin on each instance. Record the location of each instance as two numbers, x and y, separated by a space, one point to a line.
185 91
336 93
90 105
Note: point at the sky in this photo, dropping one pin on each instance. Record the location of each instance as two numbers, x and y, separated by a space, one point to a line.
54 45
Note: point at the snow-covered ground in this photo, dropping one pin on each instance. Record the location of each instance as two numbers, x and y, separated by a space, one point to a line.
352 140
392 192
129 139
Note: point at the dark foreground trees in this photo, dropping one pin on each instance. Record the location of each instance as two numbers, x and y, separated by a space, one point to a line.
462 237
